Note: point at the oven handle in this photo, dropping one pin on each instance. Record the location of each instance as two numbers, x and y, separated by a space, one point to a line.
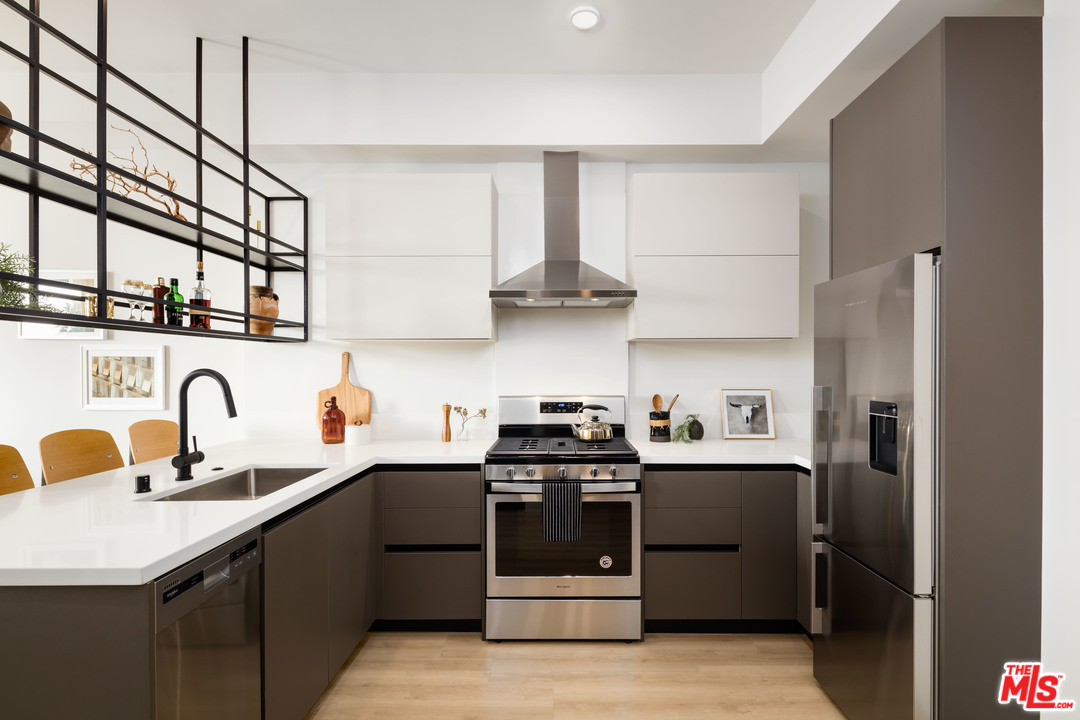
586 488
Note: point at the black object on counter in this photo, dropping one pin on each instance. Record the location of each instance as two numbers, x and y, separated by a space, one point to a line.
660 426
142 484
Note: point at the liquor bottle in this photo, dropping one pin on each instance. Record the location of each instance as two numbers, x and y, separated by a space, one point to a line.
199 296
333 423
159 292
174 314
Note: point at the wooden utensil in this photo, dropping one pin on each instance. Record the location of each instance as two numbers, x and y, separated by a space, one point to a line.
657 402
673 402
354 401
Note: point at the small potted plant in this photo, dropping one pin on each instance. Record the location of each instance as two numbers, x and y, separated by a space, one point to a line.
689 431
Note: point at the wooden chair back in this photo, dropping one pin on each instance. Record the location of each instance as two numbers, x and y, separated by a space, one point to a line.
153 439
73 453
13 473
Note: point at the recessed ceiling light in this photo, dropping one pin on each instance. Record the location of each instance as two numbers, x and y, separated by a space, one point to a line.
585 17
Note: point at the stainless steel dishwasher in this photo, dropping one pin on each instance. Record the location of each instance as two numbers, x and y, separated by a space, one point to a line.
208 644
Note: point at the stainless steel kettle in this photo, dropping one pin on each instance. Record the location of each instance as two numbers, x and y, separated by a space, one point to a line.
592 428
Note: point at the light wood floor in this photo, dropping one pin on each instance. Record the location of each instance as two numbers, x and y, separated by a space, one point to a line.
457 675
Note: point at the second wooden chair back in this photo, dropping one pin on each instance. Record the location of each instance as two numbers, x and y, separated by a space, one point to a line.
73 453
153 439
13 473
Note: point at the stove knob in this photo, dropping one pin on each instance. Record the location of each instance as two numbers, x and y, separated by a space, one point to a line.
613 470
561 473
594 471
530 471
510 473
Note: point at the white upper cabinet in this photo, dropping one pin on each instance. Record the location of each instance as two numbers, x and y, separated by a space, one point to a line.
418 214
395 298
724 296
714 255
410 256
714 214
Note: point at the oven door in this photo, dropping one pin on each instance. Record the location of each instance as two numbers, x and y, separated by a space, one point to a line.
605 562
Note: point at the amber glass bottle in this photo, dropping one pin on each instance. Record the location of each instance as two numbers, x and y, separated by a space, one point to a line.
333 423
159 292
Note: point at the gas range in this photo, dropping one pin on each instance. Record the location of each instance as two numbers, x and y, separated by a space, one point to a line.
536 442
562 524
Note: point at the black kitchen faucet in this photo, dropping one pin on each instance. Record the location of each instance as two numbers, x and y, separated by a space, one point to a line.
185 459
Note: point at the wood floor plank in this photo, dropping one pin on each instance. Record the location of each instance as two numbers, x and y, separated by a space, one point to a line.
458 676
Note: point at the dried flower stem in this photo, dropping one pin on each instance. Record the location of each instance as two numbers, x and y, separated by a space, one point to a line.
123 185
465 417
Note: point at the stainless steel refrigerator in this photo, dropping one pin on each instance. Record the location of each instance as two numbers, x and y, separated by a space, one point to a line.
874 479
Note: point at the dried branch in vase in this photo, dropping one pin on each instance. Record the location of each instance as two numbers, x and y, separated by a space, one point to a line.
465 417
125 186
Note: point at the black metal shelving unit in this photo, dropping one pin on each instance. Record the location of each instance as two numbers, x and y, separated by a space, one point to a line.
232 238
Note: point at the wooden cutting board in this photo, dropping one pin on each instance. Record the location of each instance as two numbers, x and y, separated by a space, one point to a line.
354 401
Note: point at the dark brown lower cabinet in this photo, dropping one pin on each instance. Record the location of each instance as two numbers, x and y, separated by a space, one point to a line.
431 564
720 545
692 586
72 651
316 604
431 585
350 604
768 545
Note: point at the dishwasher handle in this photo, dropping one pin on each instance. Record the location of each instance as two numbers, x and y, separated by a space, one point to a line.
217 573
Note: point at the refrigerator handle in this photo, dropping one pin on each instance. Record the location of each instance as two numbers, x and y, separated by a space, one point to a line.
818 586
821 464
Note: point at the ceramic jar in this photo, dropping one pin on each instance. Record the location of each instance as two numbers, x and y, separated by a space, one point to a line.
263 302
660 426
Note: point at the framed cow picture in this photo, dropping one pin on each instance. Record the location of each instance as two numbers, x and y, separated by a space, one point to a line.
747 415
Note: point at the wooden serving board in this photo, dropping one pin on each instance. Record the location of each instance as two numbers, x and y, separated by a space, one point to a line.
354 401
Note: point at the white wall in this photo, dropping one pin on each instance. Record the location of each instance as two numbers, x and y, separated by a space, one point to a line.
1061 344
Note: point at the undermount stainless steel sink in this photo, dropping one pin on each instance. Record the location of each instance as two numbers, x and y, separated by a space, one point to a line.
249 484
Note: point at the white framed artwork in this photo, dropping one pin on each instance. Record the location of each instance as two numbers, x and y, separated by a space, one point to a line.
123 377
747 415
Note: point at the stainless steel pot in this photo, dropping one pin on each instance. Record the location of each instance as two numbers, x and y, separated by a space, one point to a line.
591 428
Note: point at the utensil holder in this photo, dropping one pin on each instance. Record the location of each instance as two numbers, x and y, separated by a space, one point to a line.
660 426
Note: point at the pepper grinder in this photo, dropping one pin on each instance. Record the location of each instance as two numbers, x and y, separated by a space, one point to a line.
446 423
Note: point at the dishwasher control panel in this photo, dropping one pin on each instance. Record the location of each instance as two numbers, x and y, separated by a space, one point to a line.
186 587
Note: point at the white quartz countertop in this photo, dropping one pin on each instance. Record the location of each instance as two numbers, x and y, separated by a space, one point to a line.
726 452
96 531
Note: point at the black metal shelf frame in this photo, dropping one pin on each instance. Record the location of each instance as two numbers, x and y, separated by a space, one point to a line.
254 248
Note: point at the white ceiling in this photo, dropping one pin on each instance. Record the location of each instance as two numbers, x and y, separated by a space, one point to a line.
515 37
451 36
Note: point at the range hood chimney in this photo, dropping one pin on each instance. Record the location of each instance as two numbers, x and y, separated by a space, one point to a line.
562 280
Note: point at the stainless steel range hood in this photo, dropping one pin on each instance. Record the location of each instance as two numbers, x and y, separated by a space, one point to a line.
562 280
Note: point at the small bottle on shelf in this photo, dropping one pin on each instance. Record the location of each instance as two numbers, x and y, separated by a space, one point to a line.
174 314
333 423
199 296
160 290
